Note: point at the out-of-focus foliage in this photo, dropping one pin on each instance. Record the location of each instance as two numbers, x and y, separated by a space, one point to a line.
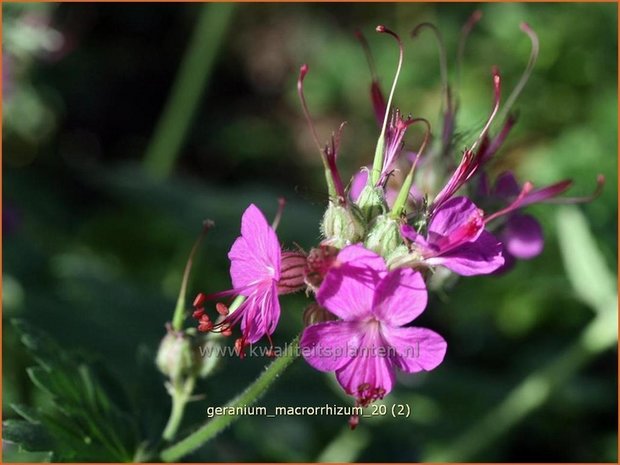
94 248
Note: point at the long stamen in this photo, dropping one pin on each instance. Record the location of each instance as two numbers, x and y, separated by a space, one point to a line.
499 139
516 203
600 182
303 71
278 217
369 58
443 61
331 155
528 70
379 152
465 31
179 311
403 194
496 99
378 101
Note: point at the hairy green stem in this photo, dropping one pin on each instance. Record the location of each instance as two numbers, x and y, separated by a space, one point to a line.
248 397
180 397
192 78
179 309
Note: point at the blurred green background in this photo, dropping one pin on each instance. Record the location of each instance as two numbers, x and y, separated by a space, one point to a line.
102 202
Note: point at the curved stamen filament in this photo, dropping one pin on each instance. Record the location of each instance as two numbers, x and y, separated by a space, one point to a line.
516 203
303 71
600 182
496 99
378 101
443 61
403 194
465 31
278 217
369 58
379 152
528 70
179 311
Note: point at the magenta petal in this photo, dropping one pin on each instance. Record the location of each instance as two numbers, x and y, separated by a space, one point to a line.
245 267
378 102
523 236
509 262
400 297
390 196
330 346
458 216
368 372
255 256
506 185
261 313
546 193
417 349
408 232
348 288
359 181
480 257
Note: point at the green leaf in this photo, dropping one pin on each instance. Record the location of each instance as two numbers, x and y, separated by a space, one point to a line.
28 436
27 413
87 417
587 271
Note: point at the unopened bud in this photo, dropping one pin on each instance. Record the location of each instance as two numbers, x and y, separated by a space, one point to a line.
207 356
318 263
174 357
372 203
342 225
314 313
292 266
399 254
384 237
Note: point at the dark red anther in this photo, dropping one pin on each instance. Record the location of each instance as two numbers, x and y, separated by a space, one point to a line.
221 309
354 421
227 331
205 324
239 346
198 313
199 300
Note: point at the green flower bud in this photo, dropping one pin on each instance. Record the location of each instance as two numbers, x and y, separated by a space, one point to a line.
175 356
384 237
342 225
208 354
398 254
372 202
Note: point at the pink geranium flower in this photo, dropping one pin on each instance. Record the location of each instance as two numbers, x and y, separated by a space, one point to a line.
456 239
255 271
259 271
370 340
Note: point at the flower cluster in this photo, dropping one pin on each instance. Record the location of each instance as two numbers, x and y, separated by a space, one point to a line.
384 237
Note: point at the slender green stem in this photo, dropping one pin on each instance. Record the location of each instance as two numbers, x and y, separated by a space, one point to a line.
192 78
246 398
180 397
377 164
179 309
403 195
